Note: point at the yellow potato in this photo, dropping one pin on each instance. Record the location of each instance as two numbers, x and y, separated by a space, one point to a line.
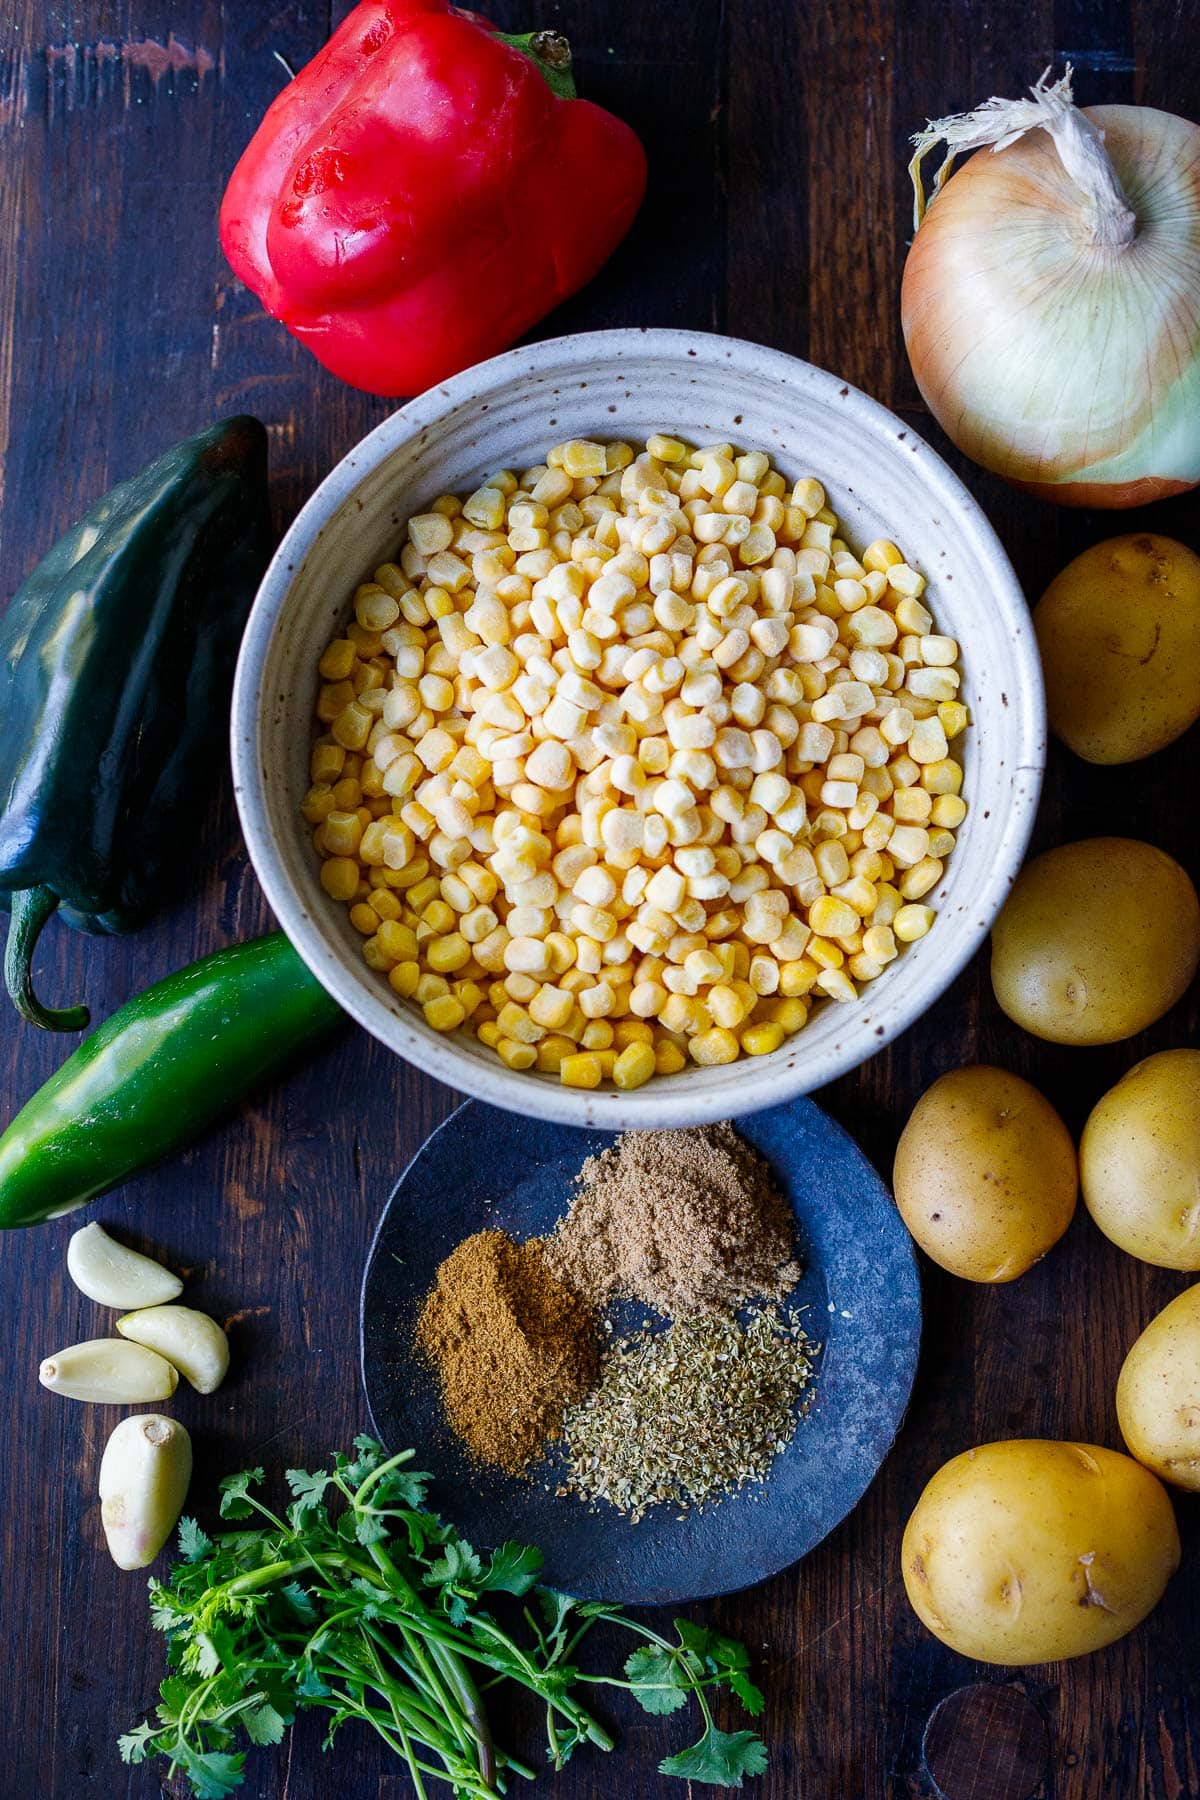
1119 632
985 1174
1028 1551
1139 1161
1158 1393
1096 941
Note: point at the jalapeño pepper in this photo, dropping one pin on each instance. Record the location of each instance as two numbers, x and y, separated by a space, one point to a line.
116 659
164 1066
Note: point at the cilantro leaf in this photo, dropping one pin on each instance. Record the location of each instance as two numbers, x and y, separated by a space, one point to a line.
720 1759
750 1696
310 1685
299 1601
724 1659
554 1606
194 1544
206 1661
164 1608
369 1528
400 1488
173 1694
457 1563
555 1609
513 1569
264 1725
234 1490
309 1490
136 1746
656 1679
213 1773
357 1468
716 1651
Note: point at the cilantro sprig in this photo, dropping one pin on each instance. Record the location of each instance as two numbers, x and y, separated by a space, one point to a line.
357 1601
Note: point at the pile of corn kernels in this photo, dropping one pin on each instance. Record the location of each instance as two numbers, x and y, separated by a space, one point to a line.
629 759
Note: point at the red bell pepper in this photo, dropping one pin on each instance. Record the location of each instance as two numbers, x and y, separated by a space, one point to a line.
424 191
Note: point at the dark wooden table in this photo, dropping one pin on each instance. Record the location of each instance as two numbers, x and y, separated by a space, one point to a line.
778 210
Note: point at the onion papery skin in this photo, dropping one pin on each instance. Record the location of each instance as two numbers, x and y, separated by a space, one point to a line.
1071 368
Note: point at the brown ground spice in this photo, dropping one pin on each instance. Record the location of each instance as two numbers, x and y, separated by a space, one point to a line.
513 1345
684 1221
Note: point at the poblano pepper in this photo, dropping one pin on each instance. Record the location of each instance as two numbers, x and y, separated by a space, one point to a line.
116 660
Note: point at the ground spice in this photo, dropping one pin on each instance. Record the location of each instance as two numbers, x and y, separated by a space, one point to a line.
684 1221
513 1345
689 1414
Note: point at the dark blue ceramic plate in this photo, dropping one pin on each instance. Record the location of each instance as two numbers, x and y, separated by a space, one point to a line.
482 1168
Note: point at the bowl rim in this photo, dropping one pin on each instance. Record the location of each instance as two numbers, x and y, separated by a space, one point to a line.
437 1054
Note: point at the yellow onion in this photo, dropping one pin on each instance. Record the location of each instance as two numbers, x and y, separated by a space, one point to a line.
1051 298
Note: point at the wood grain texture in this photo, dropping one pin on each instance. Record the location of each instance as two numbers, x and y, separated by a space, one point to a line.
778 209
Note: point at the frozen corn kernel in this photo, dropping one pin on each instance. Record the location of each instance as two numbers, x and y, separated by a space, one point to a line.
634 1066
762 1039
630 752
837 984
832 918
404 977
953 717
948 811
919 879
942 777
881 556
445 1013
669 1059
714 1047
340 876
550 1053
912 922
581 1071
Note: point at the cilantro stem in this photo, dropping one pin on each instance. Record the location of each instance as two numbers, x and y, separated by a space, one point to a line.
424 1671
529 1677
467 1695
401 1726
452 1670
393 1462
358 1709
268 1573
411 1759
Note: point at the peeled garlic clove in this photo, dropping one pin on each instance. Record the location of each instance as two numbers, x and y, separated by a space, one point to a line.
144 1475
190 1340
113 1275
110 1372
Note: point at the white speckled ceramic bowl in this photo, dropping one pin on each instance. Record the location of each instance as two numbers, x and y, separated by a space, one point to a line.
881 479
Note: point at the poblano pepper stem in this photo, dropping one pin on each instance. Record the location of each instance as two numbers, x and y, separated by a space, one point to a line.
31 907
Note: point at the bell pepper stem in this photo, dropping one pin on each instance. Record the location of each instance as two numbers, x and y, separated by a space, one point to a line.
551 53
31 907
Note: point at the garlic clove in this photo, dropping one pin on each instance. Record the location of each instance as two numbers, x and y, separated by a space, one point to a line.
190 1340
144 1476
113 1275
110 1372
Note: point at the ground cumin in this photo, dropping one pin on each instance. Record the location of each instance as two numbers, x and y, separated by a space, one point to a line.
684 1221
513 1345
